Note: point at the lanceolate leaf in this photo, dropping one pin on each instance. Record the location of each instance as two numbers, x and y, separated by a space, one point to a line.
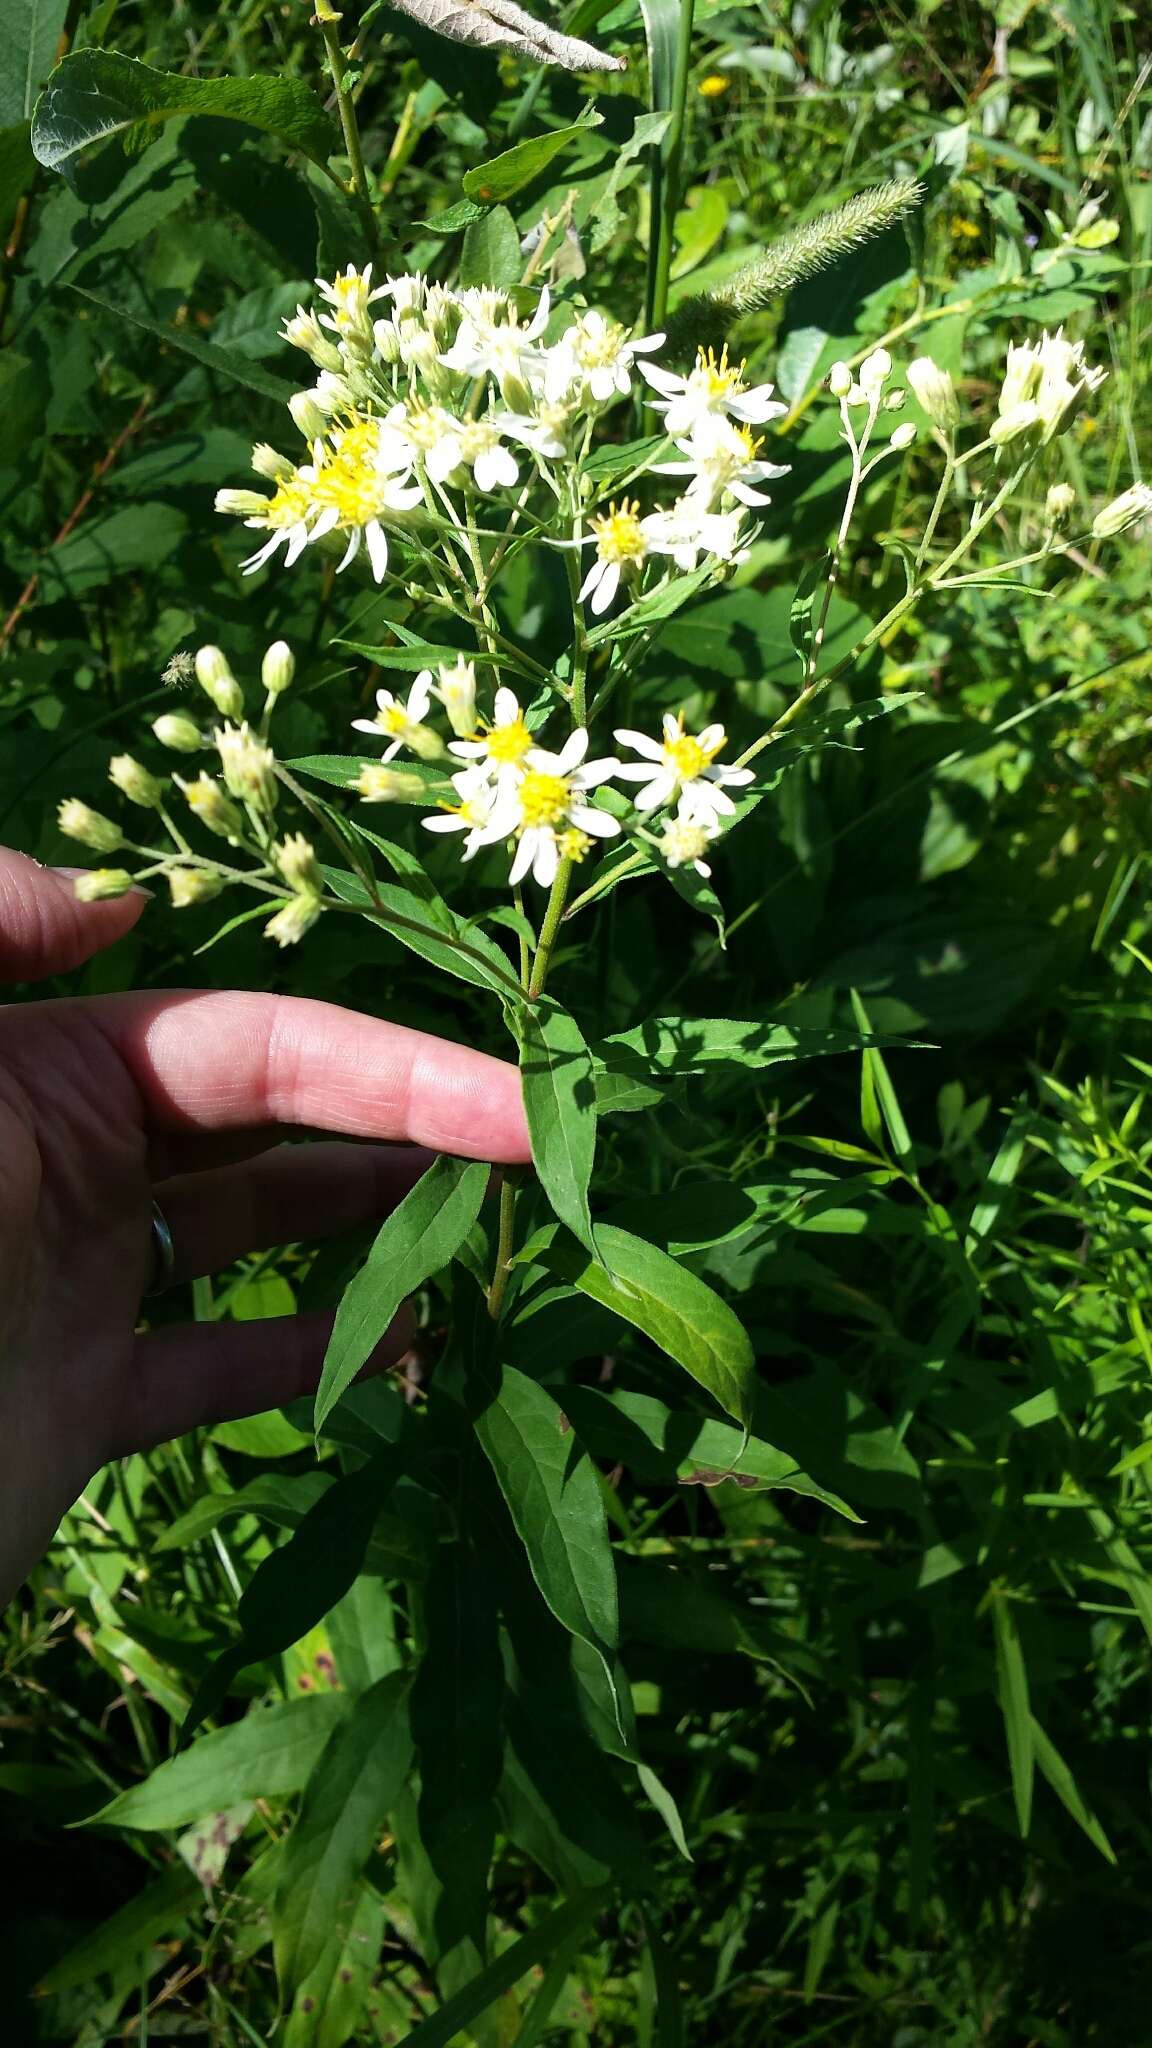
95 94
352 1787
502 175
693 1045
294 1588
267 1755
680 1313
560 1105
554 1499
419 1237
227 363
161 1908
1018 1724
515 1962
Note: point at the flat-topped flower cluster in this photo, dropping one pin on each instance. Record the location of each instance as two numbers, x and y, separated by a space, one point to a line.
451 399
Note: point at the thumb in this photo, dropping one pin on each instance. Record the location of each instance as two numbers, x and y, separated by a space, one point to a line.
44 929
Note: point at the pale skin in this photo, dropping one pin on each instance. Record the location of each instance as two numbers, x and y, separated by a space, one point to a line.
111 1102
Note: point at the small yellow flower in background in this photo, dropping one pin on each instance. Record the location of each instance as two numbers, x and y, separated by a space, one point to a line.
77 820
711 87
963 230
189 886
135 782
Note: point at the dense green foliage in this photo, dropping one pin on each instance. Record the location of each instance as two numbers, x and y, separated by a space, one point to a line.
592 1723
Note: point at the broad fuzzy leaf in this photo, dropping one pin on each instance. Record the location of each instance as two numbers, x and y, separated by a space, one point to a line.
501 25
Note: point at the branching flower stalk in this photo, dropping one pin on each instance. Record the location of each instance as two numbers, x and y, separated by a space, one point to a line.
447 432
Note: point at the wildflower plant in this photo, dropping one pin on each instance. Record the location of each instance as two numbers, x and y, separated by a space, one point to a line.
451 447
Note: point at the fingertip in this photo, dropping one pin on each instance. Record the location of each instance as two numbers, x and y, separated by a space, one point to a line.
44 927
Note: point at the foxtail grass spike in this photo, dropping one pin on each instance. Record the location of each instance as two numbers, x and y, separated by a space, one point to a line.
804 251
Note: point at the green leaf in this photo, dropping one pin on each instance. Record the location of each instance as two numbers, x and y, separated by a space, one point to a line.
293 1589
800 619
272 1497
161 1908
1018 1723
681 1314
267 1755
132 539
30 32
416 654
490 254
457 1727
331 2005
229 363
576 1914
560 1106
554 1498
95 94
504 174
17 170
352 1788
693 1045
1053 1767
419 1237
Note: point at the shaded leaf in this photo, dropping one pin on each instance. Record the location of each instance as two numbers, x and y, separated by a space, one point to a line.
267 1755
560 1106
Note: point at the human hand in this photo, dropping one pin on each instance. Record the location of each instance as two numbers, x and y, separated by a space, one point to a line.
112 1102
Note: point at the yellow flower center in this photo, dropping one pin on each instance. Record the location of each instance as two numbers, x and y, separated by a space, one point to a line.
351 487
618 534
288 504
509 743
393 719
686 755
573 843
717 378
599 346
543 798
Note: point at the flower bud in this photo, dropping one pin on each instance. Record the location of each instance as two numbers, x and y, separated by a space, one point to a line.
379 784
248 767
134 782
207 801
290 924
894 401
457 693
307 414
386 336
304 331
839 380
875 369
936 392
78 821
278 668
904 435
241 504
267 462
1059 506
1131 506
102 883
189 886
1021 377
296 860
174 730
1020 420
218 682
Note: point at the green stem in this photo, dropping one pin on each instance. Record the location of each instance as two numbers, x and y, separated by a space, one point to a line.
327 24
504 1244
549 929
667 176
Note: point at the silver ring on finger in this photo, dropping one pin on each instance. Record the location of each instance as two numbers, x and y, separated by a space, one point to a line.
163 1268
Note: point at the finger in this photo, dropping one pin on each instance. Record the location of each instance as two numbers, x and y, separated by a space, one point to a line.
44 929
218 1061
203 1373
296 1191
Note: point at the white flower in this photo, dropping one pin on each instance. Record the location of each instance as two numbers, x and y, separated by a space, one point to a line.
472 814
621 549
1129 509
591 364
492 343
350 294
456 690
353 488
712 386
681 764
474 445
1051 376
402 721
545 431
248 767
722 458
934 388
688 529
684 841
545 809
504 746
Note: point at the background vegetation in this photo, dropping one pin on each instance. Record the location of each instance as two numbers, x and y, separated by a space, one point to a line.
907 1743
